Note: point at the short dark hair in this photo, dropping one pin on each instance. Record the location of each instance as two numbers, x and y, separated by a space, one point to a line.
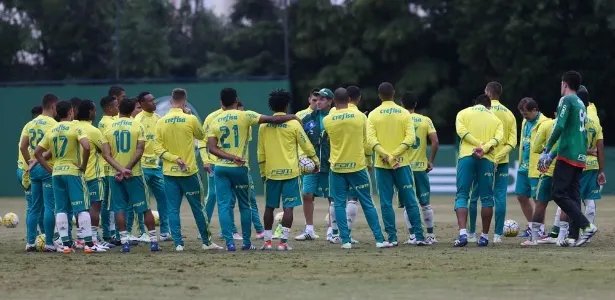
48 100
127 106
315 92
106 100
141 96
583 94
279 100
36 110
386 90
484 100
341 95
527 104
62 108
228 96
83 112
116 91
179 94
409 100
572 79
75 102
495 88
353 92
240 104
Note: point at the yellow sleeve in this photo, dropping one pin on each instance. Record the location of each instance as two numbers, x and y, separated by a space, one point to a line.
512 138
211 132
81 134
305 146
372 139
367 149
409 139
199 131
499 135
141 134
159 147
97 139
538 143
430 128
462 130
260 151
253 117
599 134
45 142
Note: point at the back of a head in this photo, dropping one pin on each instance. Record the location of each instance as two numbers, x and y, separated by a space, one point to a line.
583 94
228 96
495 89
115 91
354 92
75 102
127 107
84 109
105 101
179 95
483 100
409 100
341 96
141 96
279 100
63 108
527 104
49 100
572 79
36 111
386 91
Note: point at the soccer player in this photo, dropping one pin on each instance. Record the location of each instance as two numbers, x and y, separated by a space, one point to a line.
316 185
527 175
175 134
230 131
569 130
152 169
347 132
118 92
129 191
34 211
110 108
312 99
138 107
40 178
390 132
69 189
420 165
476 163
279 166
94 173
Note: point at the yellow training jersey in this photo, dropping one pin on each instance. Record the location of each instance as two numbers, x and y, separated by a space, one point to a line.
123 135
538 144
103 125
207 157
476 126
302 113
391 127
175 134
594 134
534 157
21 162
63 141
347 133
95 137
148 120
37 129
277 149
592 112
232 128
423 127
509 129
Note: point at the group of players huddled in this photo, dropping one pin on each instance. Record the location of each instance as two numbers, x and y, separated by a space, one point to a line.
103 175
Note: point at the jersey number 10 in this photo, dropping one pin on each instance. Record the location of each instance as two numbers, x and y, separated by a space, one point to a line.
226 132
122 141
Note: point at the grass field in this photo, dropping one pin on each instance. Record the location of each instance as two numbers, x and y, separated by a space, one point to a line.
318 270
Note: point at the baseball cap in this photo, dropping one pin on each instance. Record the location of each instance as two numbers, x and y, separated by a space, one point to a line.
326 93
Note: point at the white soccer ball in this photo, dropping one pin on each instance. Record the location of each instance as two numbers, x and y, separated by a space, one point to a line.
156 217
10 220
511 228
278 217
40 242
306 165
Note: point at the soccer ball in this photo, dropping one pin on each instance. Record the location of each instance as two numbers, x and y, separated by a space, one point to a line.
278 217
10 220
511 228
74 221
40 242
306 165
156 217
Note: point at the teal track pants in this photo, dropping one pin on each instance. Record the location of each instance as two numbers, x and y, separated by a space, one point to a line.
231 183
400 178
340 184
155 184
211 202
499 196
192 187
34 213
42 192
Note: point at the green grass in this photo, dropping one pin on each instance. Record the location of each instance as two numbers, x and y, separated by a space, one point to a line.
318 270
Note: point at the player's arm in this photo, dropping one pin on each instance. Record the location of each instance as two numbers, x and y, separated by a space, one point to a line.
305 145
199 131
563 114
106 152
139 151
276 119
372 139
409 138
212 144
24 145
435 143
159 148
260 152
38 153
538 142
85 155
509 144
463 132
366 148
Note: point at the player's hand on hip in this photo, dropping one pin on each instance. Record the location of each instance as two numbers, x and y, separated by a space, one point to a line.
429 167
601 178
208 169
181 164
239 161
31 165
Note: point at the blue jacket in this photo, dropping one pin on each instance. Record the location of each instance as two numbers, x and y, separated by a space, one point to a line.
311 125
